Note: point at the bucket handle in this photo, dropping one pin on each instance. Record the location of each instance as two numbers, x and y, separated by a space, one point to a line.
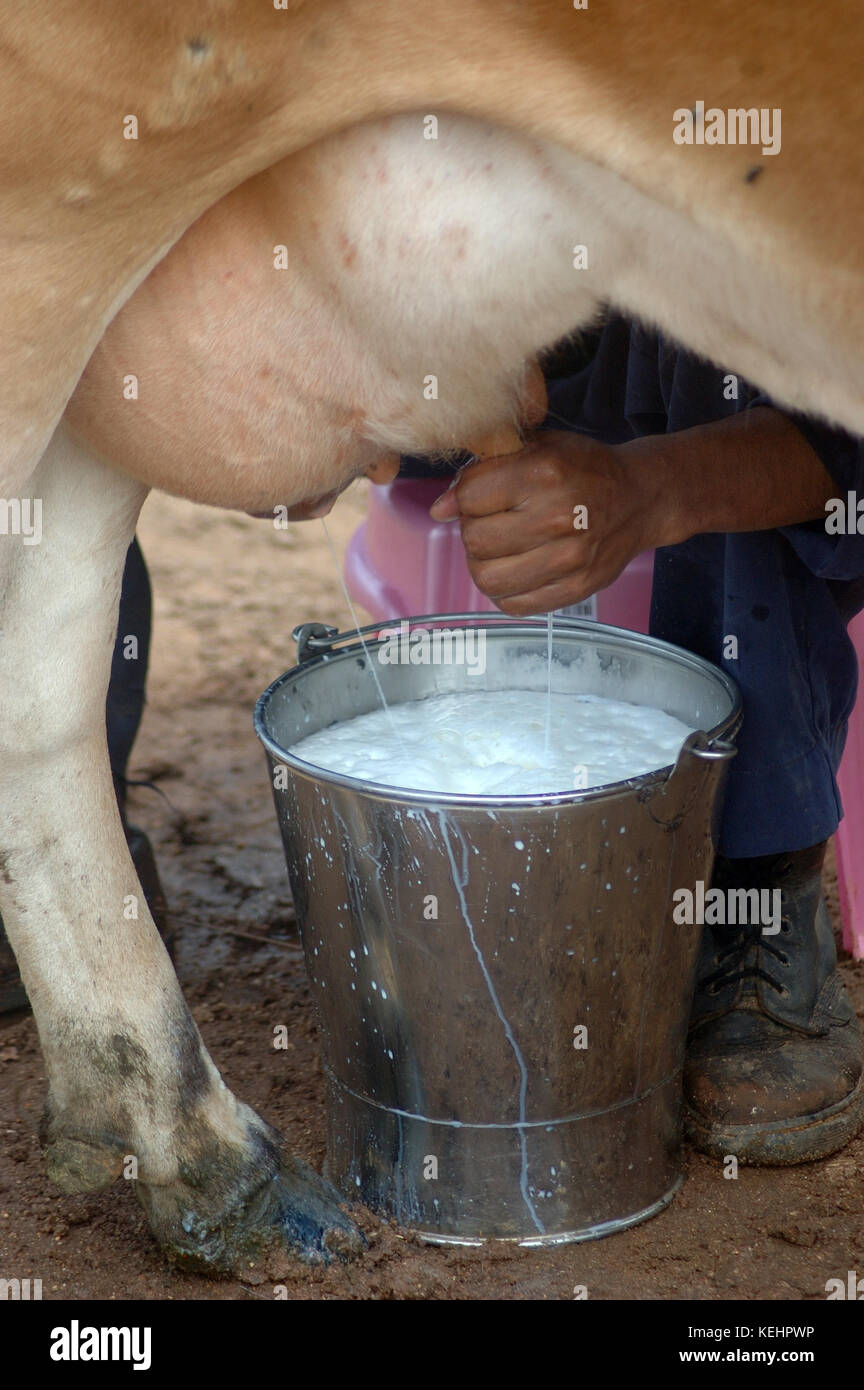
315 638
318 639
696 745
713 750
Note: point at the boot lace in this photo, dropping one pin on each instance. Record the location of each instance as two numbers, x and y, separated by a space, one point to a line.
738 958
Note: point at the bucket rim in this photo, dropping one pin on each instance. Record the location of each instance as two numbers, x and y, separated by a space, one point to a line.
504 624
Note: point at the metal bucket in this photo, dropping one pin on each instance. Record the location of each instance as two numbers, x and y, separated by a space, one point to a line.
457 946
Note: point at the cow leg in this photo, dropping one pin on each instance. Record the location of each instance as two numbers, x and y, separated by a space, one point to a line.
132 1089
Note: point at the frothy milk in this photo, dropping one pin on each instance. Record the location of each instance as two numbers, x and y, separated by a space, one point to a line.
492 743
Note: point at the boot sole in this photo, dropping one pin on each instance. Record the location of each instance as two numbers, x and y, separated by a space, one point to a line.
799 1140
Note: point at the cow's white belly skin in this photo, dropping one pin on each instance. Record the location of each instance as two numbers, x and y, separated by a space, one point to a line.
421 276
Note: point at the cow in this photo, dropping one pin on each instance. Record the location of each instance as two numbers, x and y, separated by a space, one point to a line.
249 251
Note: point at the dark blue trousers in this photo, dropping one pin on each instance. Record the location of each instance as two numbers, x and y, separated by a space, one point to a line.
126 691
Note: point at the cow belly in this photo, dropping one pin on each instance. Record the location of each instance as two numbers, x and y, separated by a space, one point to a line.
418 277
383 292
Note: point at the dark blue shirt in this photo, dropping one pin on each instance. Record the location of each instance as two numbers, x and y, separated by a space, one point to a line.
786 595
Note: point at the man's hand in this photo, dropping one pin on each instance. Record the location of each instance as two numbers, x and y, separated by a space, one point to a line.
754 471
554 523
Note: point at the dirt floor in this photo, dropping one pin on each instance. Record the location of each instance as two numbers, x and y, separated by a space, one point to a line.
228 591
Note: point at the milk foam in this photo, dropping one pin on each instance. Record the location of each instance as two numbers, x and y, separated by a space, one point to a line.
491 743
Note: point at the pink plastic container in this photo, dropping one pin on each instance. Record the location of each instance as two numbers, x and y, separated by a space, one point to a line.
401 562
849 842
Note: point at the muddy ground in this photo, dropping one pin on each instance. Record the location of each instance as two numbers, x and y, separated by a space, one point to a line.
228 591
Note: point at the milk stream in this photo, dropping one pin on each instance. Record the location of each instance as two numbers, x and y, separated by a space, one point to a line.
369 662
549 622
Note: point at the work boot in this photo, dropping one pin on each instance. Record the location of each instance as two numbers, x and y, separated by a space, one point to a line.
12 993
774 1064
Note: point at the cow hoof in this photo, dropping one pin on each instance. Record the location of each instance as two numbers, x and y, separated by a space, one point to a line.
294 1214
79 1165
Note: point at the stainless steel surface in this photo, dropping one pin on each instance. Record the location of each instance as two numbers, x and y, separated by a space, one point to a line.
451 968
